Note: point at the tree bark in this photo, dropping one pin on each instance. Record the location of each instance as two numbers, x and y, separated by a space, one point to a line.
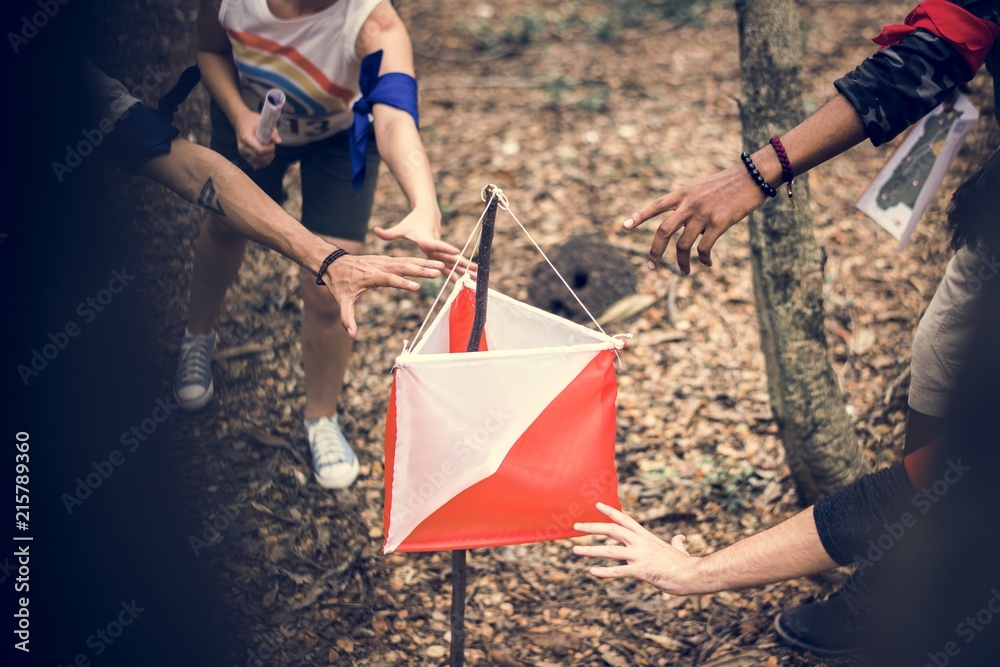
817 435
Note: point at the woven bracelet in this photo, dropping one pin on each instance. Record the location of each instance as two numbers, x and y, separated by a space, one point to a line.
330 259
755 175
786 167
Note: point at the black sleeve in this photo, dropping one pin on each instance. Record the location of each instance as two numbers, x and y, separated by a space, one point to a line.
142 133
139 135
863 511
900 84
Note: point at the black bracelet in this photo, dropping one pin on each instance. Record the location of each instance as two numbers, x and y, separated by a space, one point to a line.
330 259
755 175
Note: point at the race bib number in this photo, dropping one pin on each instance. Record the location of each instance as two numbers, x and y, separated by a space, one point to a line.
297 128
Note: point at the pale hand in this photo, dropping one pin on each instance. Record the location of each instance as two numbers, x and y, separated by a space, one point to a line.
257 154
647 557
707 208
424 229
350 275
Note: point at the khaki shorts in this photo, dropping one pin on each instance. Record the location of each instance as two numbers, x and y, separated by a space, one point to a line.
940 344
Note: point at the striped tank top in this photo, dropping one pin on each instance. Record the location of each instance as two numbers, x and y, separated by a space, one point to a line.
312 59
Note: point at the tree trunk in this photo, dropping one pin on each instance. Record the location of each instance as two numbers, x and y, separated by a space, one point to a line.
819 442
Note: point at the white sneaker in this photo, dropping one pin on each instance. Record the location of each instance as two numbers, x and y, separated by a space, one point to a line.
193 385
334 461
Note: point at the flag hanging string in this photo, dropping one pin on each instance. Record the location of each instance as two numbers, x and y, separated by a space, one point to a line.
504 204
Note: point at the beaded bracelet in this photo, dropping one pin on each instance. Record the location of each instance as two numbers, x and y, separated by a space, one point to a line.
755 175
786 166
330 259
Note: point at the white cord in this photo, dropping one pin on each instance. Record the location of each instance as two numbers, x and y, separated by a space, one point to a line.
504 204
544 256
447 280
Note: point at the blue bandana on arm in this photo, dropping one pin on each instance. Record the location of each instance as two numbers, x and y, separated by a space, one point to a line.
394 89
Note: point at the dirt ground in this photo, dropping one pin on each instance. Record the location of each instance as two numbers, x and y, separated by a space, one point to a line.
581 111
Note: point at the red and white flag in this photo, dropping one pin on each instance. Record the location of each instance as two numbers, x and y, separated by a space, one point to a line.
511 444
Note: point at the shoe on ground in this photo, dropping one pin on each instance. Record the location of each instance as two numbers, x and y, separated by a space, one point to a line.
840 625
193 385
334 461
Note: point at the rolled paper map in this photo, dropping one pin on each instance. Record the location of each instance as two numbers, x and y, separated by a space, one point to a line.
273 102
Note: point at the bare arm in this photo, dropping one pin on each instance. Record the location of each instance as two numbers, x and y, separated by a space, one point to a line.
399 141
710 206
788 550
207 179
218 73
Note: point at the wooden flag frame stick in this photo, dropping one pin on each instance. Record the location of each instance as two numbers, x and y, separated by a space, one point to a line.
458 556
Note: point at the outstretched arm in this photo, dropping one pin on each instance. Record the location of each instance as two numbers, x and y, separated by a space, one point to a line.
207 179
788 550
399 141
710 206
918 68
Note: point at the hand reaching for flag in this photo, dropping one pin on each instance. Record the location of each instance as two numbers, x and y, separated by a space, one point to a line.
669 567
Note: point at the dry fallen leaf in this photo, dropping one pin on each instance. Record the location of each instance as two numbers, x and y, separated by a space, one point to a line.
436 651
626 308
270 596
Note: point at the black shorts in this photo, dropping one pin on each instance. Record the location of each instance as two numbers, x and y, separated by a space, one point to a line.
330 206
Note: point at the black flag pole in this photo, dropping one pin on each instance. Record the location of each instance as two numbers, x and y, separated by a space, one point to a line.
458 556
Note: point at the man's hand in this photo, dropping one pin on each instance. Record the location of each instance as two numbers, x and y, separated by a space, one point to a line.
349 276
666 566
257 154
424 229
706 208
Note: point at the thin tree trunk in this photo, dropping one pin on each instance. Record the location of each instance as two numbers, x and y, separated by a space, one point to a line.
819 441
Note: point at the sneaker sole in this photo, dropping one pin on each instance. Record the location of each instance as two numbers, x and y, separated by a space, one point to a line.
198 403
793 641
339 481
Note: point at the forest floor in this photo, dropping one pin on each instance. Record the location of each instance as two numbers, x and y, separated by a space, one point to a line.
581 111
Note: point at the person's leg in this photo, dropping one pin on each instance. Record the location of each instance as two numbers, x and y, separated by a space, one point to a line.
326 347
326 351
218 255
921 430
840 624
938 348
332 209
217 261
